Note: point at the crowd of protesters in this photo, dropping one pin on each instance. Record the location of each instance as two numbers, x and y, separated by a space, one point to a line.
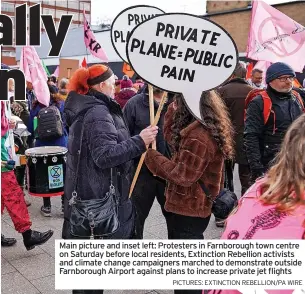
255 124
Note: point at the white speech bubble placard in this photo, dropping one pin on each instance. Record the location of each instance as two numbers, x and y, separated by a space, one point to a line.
182 53
126 21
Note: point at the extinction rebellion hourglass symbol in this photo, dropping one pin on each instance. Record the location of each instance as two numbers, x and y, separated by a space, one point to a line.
277 44
55 172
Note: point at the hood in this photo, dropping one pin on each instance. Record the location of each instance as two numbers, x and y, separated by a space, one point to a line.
77 105
125 94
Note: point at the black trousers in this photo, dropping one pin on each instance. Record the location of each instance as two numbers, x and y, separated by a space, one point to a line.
243 173
20 175
146 190
244 177
188 228
47 201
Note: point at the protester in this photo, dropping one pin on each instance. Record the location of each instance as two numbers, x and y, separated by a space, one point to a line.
126 91
106 146
234 93
30 96
256 80
19 109
199 151
262 140
52 82
148 187
301 91
63 91
61 141
275 202
12 196
117 87
138 84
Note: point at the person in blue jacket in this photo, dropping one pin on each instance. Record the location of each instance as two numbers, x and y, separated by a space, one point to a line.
61 141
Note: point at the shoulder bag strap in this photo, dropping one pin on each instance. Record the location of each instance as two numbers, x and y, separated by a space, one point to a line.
74 193
206 191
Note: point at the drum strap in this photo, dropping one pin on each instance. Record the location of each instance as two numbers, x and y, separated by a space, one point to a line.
74 193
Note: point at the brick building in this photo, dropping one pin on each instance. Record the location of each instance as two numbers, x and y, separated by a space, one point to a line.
235 17
55 8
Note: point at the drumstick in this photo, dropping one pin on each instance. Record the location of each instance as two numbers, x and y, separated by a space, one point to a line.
152 110
135 178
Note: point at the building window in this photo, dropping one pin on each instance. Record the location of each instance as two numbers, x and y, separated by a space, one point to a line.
49 2
62 3
9 7
59 13
73 4
85 5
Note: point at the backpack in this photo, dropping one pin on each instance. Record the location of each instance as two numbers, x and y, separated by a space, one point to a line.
49 124
254 220
268 103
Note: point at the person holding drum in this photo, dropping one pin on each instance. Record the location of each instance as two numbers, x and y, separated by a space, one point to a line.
97 128
59 140
12 196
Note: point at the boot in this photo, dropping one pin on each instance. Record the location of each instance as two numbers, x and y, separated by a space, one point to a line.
7 242
34 238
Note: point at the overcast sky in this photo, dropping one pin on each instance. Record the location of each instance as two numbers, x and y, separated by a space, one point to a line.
110 9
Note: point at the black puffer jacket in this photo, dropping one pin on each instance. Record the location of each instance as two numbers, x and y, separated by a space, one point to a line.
137 116
262 142
106 143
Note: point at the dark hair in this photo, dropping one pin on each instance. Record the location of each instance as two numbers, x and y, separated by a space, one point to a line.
215 116
256 70
52 79
157 91
240 71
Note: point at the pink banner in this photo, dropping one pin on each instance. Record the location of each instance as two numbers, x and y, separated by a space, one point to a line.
56 72
34 72
275 37
91 42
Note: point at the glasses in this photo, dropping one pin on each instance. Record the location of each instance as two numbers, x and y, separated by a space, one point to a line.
285 79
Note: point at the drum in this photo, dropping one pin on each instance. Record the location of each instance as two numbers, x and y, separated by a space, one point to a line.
46 167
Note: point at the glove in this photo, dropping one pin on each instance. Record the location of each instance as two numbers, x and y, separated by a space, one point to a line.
255 174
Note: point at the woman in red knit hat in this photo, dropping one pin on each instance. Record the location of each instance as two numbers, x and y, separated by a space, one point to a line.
127 91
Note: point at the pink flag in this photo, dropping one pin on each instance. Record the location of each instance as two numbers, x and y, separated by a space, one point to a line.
275 37
56 72
34 72
263 65
91 43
